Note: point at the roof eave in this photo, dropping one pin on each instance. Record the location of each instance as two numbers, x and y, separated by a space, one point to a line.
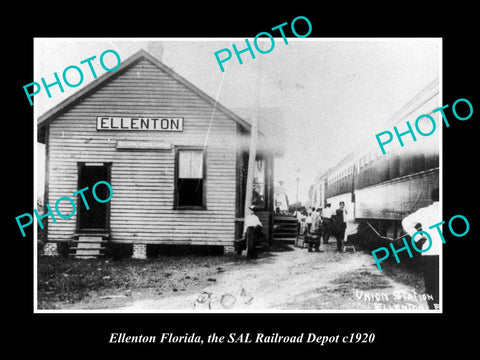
65 104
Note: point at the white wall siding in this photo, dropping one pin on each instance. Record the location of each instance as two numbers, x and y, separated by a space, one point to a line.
141 209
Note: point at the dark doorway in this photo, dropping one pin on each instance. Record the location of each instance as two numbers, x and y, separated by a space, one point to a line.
98 215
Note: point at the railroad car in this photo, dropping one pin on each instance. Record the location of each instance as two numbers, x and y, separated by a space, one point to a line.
380 190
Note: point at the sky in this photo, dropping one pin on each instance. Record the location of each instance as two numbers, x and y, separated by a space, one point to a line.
328 95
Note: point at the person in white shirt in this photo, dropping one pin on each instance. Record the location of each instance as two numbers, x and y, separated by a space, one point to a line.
300 218
426 217
309 219
252 226
252 220
315 215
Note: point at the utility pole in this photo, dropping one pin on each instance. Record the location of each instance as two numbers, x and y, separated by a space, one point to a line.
298 180
252 151
251 165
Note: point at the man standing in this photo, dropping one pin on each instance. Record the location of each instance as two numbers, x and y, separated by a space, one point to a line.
327 222
309 219
339 224
300 218
315 232
426 217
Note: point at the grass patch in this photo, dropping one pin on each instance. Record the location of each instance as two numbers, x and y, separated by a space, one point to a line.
64 281
410 273
361 280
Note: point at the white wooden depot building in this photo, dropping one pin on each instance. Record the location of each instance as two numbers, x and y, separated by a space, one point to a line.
177 177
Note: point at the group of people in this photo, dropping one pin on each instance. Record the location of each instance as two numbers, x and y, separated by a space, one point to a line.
317 225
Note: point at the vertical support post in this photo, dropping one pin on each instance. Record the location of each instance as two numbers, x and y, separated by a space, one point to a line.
252 154
251 165
296 198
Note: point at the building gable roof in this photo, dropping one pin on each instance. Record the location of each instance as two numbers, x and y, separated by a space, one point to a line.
48 116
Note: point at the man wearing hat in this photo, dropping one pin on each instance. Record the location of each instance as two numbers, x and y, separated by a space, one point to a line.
252 226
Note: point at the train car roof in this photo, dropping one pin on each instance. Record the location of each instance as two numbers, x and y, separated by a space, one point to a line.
423 96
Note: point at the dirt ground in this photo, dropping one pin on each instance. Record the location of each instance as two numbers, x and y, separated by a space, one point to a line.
289 279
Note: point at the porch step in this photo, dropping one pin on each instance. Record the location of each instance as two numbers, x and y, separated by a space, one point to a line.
285 233
284 229
105 235
88 246
84 256
90 240
85 242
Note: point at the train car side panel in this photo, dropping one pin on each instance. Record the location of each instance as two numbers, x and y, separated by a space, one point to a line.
393 200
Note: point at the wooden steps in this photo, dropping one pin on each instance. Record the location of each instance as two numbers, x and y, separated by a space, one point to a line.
284 229
89 246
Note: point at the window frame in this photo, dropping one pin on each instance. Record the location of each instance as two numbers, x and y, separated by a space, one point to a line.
179 148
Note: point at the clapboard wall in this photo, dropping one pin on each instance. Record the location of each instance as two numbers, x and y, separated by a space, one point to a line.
142 207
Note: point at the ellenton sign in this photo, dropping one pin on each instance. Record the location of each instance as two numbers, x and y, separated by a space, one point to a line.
139 123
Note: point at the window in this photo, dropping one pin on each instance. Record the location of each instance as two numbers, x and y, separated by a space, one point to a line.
258 198
190 179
